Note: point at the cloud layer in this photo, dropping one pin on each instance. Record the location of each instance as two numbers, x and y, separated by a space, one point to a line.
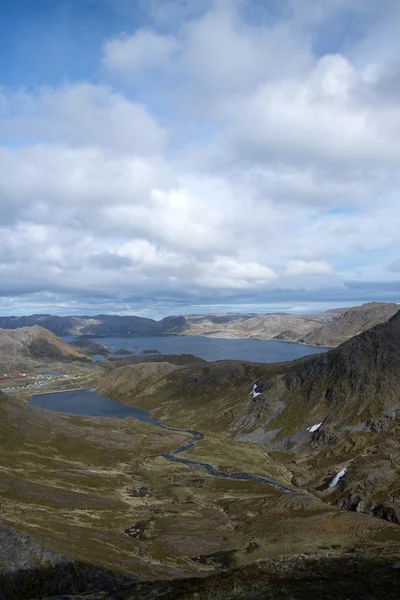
223 158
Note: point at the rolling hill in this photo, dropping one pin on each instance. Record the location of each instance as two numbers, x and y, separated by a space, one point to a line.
29 346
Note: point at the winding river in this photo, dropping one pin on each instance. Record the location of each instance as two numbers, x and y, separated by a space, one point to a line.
197 436
87 403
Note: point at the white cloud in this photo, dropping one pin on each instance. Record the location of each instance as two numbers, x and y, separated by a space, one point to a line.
274 172
82 115
296 268
145 49
324 120
222 55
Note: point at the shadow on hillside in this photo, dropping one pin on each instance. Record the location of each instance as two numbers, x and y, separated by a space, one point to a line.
61 578
345 577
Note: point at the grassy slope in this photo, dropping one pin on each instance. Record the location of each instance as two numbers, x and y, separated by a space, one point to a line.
65 480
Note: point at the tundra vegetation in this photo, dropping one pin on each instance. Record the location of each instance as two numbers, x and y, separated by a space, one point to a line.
97 494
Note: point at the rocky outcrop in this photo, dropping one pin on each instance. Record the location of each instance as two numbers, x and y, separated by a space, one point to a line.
380 511
351 323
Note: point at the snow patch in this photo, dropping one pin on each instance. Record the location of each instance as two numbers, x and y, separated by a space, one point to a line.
337 478
254 391
313 428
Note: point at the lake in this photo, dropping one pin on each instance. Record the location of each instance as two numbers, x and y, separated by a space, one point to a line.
89 404
210 348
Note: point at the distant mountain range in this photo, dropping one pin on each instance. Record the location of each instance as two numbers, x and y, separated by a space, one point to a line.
328 329
100 325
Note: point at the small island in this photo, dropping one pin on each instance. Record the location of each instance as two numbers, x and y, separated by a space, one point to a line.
90 347
124 351
150 352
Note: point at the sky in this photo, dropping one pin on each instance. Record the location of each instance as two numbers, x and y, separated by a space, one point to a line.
181 156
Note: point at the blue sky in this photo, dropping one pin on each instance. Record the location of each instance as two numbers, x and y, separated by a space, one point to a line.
157 157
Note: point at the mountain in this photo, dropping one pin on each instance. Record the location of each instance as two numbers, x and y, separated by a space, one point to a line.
320 415
262 327
328 328
99 325
338 413
350 323
83 325
346 387
349 387
28 346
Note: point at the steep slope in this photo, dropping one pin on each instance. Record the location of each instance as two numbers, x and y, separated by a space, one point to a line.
351 323
348 387
338 413
28 346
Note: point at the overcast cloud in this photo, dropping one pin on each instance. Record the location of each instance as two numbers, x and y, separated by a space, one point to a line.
229 154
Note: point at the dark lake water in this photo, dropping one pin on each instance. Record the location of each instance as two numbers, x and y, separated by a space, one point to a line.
211 348
90 404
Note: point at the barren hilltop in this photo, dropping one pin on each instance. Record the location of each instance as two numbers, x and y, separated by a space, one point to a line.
29 346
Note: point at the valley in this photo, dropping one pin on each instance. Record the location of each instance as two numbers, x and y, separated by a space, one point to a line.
138 502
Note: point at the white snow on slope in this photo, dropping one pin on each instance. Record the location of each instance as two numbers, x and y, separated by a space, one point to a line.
254 391
314 427
337 478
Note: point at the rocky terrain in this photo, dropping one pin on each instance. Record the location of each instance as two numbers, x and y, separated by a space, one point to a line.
329 328
346 324
318 415
91 504
262 327
29 346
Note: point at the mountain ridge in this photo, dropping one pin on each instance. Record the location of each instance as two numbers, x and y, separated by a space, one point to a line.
328 329
321 415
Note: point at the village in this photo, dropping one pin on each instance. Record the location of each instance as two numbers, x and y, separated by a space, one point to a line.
10 383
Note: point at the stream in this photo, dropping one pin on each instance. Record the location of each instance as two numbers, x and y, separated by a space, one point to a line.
84 402
197 436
